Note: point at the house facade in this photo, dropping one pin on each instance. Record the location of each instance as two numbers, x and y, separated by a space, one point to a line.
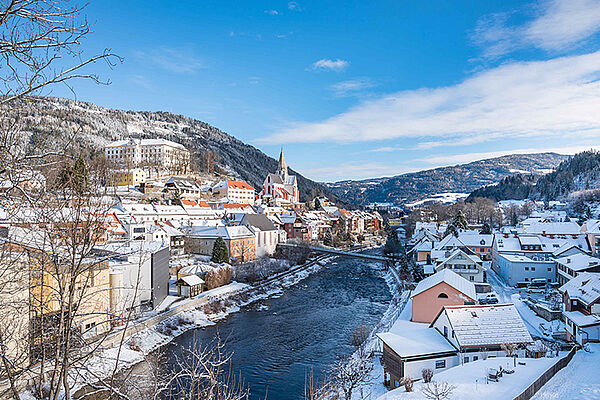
444 288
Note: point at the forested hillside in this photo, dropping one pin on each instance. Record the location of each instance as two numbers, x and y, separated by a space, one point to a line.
48 121
464 178
578 173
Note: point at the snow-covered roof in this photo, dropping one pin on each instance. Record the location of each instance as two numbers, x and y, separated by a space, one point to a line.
592 226
414 339
581 319
553 228
530 240
449 277
225 232
191 280
487 325
585 287
579 262
458 253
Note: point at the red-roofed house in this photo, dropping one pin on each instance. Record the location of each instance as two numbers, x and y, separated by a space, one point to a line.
235 192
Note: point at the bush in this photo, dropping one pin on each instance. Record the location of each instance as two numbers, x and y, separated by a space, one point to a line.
260 269
407 382
427 375
219 276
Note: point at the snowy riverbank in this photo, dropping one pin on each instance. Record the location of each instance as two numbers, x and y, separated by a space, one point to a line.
219 303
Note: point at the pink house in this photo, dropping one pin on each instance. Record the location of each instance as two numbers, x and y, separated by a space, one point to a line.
444 288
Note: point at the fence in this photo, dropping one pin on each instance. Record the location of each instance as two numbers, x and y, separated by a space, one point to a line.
542 380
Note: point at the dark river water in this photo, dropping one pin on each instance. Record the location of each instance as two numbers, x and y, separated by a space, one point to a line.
275 341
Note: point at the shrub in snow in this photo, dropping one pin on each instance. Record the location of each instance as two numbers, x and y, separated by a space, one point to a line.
437 390
218 276
427 374
260 269
407 382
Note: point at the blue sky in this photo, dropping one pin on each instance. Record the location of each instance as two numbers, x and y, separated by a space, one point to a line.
359 89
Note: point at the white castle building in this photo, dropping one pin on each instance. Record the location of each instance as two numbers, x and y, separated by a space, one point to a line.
157 154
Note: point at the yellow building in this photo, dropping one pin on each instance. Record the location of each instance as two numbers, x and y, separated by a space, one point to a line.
130 177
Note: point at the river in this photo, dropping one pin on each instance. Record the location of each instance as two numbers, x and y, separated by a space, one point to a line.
276 341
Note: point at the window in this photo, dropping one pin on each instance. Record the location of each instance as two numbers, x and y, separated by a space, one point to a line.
440 364
526 268
445 331
471 278
442 296
466 360
533 268
549 269
475 358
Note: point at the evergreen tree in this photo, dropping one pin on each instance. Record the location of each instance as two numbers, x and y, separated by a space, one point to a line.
220 252
317 203
460 222
486 229
75 177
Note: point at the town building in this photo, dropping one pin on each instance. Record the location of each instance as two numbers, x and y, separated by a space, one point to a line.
569 267
517 269
468 266
581 299
235 192
409 348
479 331
240 241
473 241
158 155
127 177
266 234
441 289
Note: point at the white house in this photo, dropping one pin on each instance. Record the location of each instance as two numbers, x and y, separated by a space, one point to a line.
410 347
466 265
568 267
480 331
265 232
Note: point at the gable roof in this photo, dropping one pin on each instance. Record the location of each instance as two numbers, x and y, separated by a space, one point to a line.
473 258
259 221
475 326
410 339
585 287
449 277
239 185
579 262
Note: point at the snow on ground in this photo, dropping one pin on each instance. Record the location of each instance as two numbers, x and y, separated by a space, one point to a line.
537 326
445 198
135 348
580 380
470 380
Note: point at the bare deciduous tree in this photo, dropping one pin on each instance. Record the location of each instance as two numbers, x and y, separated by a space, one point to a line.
427 374
352 372
437 390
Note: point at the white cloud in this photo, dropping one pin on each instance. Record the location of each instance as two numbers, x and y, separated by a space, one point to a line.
272 12
544 98
326 64
179 61
294 6
559 24
351 87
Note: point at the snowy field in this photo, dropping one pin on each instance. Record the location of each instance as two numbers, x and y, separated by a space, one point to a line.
580 380
470 380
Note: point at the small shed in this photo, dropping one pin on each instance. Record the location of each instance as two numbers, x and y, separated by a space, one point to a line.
189 286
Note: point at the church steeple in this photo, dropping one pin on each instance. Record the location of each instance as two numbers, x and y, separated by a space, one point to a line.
282 167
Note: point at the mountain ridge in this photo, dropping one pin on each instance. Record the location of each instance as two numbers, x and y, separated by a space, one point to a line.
460 178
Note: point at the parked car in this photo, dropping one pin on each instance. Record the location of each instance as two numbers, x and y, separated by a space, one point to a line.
490 298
